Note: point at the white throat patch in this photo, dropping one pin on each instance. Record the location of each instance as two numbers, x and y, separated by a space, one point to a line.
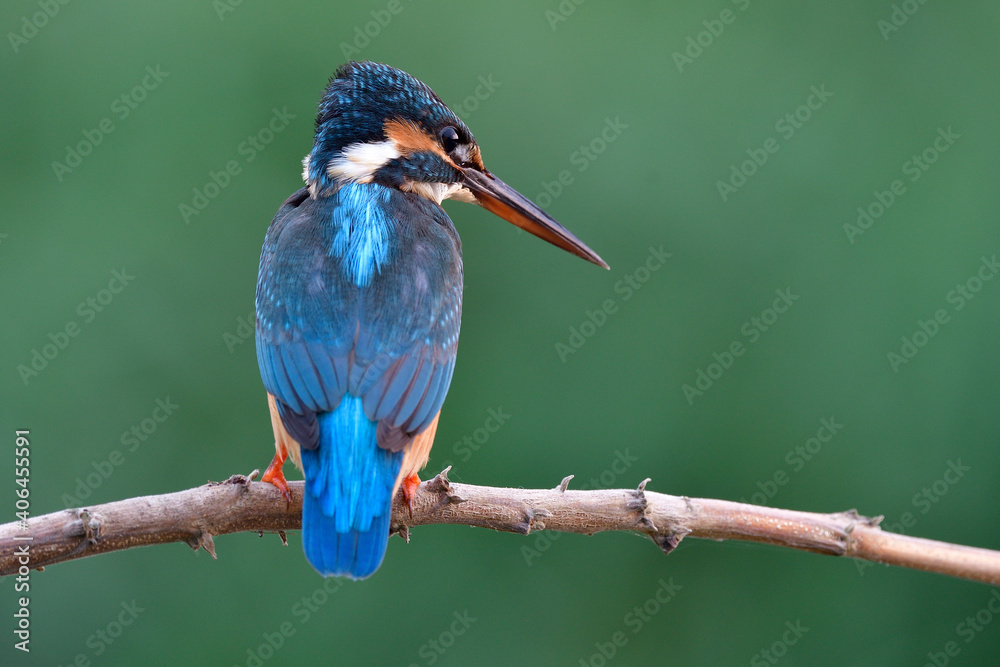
359 162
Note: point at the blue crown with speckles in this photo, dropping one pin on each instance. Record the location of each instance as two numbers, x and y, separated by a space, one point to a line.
359 99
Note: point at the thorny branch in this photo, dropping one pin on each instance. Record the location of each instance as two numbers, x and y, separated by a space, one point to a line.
196 515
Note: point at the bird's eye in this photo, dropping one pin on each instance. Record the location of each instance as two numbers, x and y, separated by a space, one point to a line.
449 138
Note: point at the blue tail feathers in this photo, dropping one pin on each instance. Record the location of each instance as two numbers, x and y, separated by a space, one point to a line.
348 497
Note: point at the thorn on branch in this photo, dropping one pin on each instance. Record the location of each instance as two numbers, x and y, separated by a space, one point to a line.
441 486
853 515
855 519
563 485
243 480
668 542
203 540
440 483
531 520
92 525
637 502
524 527
281 534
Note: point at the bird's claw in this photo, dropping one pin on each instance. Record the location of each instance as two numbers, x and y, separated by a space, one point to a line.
409 488
274 475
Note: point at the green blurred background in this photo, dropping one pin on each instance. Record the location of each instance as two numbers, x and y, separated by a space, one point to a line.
556 79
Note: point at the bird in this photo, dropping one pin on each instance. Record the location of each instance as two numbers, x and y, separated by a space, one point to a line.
359 303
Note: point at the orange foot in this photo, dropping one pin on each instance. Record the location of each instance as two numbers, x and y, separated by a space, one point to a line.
274 475
409 487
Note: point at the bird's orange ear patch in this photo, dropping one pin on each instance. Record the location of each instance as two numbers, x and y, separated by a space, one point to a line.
410 138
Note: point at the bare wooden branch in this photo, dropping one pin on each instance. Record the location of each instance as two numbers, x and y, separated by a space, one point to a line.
239 504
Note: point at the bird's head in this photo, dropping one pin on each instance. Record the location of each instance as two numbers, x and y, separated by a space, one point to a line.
378 124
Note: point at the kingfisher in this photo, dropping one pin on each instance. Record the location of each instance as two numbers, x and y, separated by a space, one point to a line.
359 303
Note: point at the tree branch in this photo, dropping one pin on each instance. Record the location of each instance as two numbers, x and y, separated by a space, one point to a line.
240 504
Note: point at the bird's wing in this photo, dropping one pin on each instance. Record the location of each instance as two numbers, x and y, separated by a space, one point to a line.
391 341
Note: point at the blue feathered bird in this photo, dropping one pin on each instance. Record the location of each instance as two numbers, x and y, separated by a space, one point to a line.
359 303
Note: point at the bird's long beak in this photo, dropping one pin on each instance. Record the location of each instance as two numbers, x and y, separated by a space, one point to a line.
499 198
